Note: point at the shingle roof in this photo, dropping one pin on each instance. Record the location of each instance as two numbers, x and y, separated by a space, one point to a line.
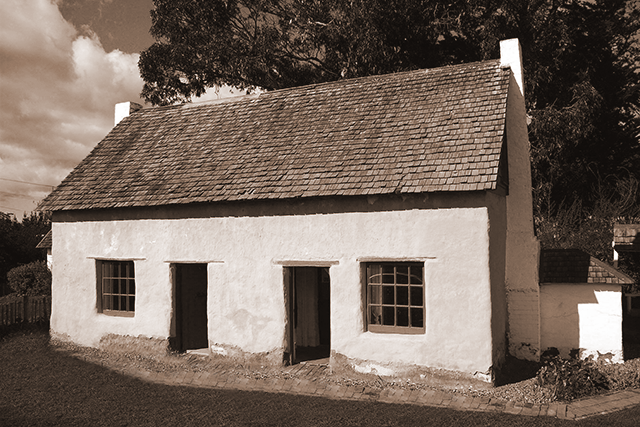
421 131
626 237
46 241
576 266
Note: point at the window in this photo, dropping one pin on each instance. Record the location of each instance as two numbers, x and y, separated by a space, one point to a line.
116 288
395 297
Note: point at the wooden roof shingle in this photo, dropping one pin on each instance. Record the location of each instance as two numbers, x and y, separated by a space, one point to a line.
413 132
576 266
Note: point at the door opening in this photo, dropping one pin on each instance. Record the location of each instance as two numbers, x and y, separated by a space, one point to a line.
190 307
307 295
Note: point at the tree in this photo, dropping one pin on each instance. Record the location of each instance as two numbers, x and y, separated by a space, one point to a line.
18 241
273 44
581 64
31 279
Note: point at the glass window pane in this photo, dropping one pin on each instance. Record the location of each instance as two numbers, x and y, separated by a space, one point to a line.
106 286
388 269
375 293
416 274
106 302
123 303
388 314
115 302
402 318
132 303
417 317
376 316
417 296
373 273
387 294
402 274
132 286
402 295
388 278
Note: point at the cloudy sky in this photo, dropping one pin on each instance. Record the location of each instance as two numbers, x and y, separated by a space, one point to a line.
64 64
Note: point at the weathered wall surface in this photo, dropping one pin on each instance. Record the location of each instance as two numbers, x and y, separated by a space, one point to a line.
582 318
522 245
246 256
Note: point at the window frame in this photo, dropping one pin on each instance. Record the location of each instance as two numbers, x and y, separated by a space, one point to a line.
124 266
368 291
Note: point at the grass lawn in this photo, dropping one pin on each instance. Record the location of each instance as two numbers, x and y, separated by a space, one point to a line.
43 387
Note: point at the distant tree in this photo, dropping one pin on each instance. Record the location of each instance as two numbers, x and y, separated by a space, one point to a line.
18 241
30 279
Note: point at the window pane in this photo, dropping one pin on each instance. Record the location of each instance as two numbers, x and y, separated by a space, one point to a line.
388 316
402 274
387 294
123 303
416 296
132 286
388 269
402 316
388 278
417 317
374 274
416 275
106 286
376 316
106 302
115 302
402 295
132 303
375 293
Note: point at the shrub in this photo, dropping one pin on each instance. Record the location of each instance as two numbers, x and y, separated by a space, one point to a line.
30 279
622 376
570 379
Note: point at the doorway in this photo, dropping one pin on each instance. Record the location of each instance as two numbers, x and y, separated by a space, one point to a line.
190 308
307 297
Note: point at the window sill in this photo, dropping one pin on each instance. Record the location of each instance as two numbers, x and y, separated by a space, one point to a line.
118 313
398 330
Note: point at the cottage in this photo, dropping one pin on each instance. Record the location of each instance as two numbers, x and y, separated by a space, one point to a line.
383 221
580 305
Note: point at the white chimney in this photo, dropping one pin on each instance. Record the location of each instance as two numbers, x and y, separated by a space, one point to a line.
123 109
511 56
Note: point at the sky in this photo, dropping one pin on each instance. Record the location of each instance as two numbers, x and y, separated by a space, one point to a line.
64 64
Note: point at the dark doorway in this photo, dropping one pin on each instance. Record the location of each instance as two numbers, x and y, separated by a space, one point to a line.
190 306
307 295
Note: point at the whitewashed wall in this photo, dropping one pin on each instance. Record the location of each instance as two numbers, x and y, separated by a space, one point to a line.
246 257
583 317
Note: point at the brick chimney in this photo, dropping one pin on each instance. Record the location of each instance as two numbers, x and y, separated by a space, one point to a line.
123 109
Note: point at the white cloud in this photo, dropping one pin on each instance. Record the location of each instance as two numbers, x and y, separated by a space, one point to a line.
58 94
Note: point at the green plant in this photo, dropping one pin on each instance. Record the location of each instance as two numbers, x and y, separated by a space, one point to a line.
30 279
570 379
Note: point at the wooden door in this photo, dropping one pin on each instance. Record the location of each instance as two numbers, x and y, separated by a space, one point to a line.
191 306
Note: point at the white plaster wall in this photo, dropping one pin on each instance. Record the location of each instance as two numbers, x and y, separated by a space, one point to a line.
582 316
246 256
522 245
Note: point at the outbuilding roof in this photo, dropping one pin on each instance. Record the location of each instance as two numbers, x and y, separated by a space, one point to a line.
421 131
46 242
576 266
626 237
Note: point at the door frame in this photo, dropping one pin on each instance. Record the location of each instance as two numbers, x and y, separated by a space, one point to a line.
290 301
176 340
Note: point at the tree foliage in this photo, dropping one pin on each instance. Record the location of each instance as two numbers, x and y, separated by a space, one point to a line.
31 279
18 241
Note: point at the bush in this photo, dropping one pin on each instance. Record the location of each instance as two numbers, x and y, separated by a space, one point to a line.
570 379
30 279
